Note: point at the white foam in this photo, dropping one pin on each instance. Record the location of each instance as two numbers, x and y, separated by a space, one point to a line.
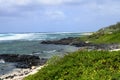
2 61
33 36
23 36
15 37
52 51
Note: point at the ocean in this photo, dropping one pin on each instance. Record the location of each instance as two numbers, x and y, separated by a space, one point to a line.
29 43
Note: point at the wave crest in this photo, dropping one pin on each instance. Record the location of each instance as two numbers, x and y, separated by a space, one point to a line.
36 36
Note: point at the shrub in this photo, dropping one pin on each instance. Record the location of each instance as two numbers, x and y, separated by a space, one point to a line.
82 65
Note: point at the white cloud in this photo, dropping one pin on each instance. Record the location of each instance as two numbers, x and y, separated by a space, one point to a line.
10 3
107 7
55 15
57 2
20 6
10 6
50 2
14 2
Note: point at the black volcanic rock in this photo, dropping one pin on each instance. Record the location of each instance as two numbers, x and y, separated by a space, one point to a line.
81 44
78 43
69 41
23 61
64 41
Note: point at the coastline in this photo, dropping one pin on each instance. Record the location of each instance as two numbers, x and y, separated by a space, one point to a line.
19 74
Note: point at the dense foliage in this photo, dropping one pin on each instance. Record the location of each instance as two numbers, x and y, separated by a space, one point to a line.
81 65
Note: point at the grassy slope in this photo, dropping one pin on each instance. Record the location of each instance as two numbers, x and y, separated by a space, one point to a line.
108 35
103 38
82 65
109 38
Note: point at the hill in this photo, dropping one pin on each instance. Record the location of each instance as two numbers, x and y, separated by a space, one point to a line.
105 35
111 28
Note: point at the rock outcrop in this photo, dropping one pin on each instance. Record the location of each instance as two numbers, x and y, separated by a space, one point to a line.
23 61
76 42
64 41
69 41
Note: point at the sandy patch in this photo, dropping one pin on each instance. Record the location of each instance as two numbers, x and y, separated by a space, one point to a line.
19 74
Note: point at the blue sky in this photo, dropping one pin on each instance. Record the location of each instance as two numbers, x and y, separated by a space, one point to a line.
57 15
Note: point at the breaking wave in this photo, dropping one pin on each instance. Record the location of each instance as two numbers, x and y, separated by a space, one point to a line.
36 36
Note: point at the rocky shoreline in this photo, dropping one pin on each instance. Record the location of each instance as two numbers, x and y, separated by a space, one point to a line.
24 64
86 44
19 74
23 61
28 63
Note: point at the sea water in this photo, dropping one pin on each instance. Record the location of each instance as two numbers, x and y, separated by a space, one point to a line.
30 43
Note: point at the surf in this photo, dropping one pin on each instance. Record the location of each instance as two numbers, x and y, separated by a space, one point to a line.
36 36
2 61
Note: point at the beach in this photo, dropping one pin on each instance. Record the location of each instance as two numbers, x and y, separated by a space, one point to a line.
19 74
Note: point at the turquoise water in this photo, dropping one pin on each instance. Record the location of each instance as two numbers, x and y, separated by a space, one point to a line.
34 47
30 43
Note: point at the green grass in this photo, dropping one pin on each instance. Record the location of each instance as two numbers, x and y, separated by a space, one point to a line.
111 28
105 35
101 38
109 38
81 65
106 38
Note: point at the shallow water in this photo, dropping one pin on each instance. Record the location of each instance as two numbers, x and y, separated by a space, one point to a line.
31 47
6 67
34 47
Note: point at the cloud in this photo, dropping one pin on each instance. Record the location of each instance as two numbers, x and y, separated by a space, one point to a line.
9 7
57 2
10 4
55 15
12 7
15 3
19 7
100 7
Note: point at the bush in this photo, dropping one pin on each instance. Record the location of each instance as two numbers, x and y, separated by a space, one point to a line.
82 65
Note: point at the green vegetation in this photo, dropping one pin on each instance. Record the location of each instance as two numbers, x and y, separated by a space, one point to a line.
103 38
105 35
86 65
109 38
81 65
111 28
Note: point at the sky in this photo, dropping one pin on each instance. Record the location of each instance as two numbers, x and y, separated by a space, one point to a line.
57 15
